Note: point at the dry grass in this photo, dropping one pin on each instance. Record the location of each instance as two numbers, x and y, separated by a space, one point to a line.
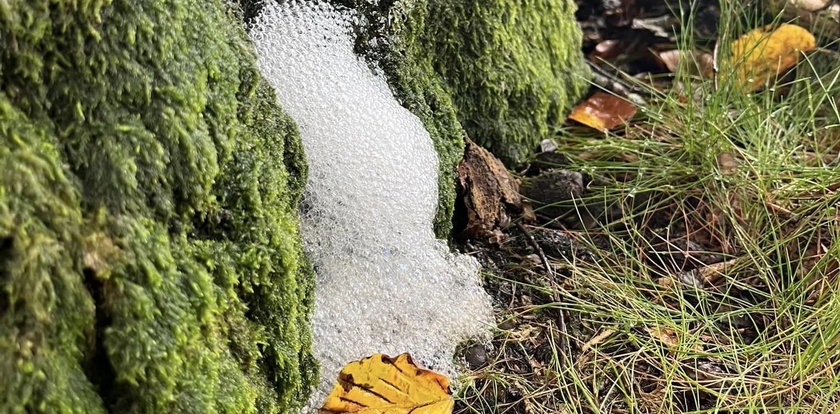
702 273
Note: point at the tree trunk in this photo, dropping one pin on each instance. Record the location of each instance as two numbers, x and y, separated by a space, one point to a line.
150 257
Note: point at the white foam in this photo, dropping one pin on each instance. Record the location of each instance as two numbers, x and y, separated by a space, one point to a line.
383 282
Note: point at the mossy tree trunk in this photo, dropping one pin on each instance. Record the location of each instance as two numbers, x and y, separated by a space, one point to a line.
150 259
149 253
505 72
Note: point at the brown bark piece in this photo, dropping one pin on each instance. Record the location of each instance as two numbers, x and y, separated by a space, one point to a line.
489 191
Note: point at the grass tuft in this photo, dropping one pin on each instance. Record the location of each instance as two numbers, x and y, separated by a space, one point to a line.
705 277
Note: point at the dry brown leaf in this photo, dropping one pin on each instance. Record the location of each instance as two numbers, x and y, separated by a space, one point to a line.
603 111
822 15
697 63
380 384
809 5
665 282
607 50
712 274
596 340
489 191
665 335
727 163
763 54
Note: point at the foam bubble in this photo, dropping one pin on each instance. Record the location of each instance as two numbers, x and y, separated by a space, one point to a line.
383 282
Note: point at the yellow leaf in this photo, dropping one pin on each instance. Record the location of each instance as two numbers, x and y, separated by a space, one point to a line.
762 55
380 384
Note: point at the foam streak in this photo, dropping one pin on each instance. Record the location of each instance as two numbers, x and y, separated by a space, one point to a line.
384 283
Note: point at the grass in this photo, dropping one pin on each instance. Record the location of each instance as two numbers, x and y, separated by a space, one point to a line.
710 284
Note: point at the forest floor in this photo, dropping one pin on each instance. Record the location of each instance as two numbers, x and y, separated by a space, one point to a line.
685 261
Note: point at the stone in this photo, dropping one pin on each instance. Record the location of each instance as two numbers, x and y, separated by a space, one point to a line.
476 356
550 189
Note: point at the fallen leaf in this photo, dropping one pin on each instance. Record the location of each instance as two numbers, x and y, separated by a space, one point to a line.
660 26
654 401
697 63
607 50
665 335
714 273
380 384
763 54
489 190
603 111
809 5
665 282
596 340
821 15
727 163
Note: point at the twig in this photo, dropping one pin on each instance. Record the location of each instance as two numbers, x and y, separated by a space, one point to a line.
613 82
564 332
561 320
536 247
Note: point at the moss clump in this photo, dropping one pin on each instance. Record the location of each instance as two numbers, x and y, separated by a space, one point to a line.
149 253
514 68
504 71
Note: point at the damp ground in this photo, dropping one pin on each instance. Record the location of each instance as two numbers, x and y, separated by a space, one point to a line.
686 261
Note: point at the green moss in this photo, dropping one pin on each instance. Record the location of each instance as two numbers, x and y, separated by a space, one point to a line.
513 67
149 245
504 71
